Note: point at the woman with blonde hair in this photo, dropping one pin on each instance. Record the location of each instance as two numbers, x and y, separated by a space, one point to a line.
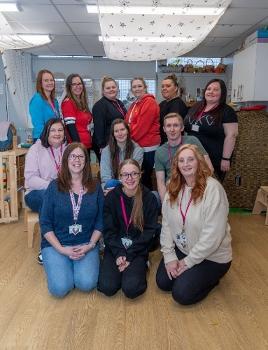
143 120
105 111
130 224
195 237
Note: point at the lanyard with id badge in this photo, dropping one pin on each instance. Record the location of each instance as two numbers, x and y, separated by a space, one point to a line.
126 241
181 237
76 228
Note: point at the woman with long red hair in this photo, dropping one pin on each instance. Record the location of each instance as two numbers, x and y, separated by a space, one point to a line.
195 237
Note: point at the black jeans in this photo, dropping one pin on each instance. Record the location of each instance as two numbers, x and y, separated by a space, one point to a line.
194 284
132 280
147 169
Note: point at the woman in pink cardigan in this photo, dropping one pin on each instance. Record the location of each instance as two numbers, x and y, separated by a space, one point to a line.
42 164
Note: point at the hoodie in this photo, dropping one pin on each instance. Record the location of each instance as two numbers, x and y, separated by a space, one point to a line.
143 119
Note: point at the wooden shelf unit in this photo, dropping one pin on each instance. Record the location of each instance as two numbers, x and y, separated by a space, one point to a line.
11 183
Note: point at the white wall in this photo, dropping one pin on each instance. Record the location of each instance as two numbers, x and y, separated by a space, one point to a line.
94 68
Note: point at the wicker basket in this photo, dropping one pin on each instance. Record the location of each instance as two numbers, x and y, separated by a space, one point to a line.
249 169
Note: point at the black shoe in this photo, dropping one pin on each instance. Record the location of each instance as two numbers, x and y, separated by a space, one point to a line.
40 258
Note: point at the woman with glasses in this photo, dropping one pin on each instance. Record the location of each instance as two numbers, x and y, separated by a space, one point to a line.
130 224
43 105
75 111
120 147
71 225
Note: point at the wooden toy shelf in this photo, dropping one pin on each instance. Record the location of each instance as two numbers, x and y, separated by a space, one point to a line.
11 183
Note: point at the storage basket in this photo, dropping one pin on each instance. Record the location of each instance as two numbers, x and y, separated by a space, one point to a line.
209 67
249 168
199 68
189 67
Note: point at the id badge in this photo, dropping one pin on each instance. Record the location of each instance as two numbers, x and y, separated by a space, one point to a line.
195 127
127 242
181 238
75 229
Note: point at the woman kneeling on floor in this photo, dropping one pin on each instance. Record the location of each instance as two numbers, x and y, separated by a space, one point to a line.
71 225
130 224
195 236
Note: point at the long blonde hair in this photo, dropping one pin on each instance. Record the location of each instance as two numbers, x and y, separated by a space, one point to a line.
137 211
177 180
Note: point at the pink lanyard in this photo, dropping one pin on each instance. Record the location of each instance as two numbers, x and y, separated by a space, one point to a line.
58 165
118 107
200 114
183 215
76 207
52 105
123 208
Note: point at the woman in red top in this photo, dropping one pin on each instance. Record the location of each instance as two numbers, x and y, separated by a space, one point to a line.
144 123
75 111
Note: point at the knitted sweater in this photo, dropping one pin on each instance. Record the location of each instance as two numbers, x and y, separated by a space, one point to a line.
206 227
40 168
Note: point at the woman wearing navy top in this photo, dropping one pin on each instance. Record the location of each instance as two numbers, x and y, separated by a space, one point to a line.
43 105
71 225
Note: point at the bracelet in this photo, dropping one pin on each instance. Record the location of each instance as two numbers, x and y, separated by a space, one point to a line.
223 158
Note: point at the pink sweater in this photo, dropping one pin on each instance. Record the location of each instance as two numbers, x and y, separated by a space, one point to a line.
40 167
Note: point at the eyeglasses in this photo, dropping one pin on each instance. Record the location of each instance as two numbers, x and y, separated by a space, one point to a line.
133 175
76 156
76 84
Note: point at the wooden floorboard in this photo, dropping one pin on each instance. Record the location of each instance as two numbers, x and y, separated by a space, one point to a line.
234 316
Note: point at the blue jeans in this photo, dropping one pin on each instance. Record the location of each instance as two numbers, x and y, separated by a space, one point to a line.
34 200
64 274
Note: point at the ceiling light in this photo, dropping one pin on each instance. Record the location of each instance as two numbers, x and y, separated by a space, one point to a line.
146 10
22 41
8 7
147 39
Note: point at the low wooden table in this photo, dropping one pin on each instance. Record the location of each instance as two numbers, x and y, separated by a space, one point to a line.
261 202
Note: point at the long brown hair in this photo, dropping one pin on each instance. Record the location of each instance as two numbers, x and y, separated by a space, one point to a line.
114 149
65 178
137 210
177 180
81 103
39 87
217 112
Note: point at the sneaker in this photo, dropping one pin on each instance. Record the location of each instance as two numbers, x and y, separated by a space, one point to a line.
39 258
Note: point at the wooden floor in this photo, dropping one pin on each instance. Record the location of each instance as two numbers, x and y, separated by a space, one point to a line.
234 316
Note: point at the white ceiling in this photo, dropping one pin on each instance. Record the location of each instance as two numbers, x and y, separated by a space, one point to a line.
75 32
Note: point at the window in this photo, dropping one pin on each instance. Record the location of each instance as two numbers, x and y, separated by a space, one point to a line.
124 87
196 61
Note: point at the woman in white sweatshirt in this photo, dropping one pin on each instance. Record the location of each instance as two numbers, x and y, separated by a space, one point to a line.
195 237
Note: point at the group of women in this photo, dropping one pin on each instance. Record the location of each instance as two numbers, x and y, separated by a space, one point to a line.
76 211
